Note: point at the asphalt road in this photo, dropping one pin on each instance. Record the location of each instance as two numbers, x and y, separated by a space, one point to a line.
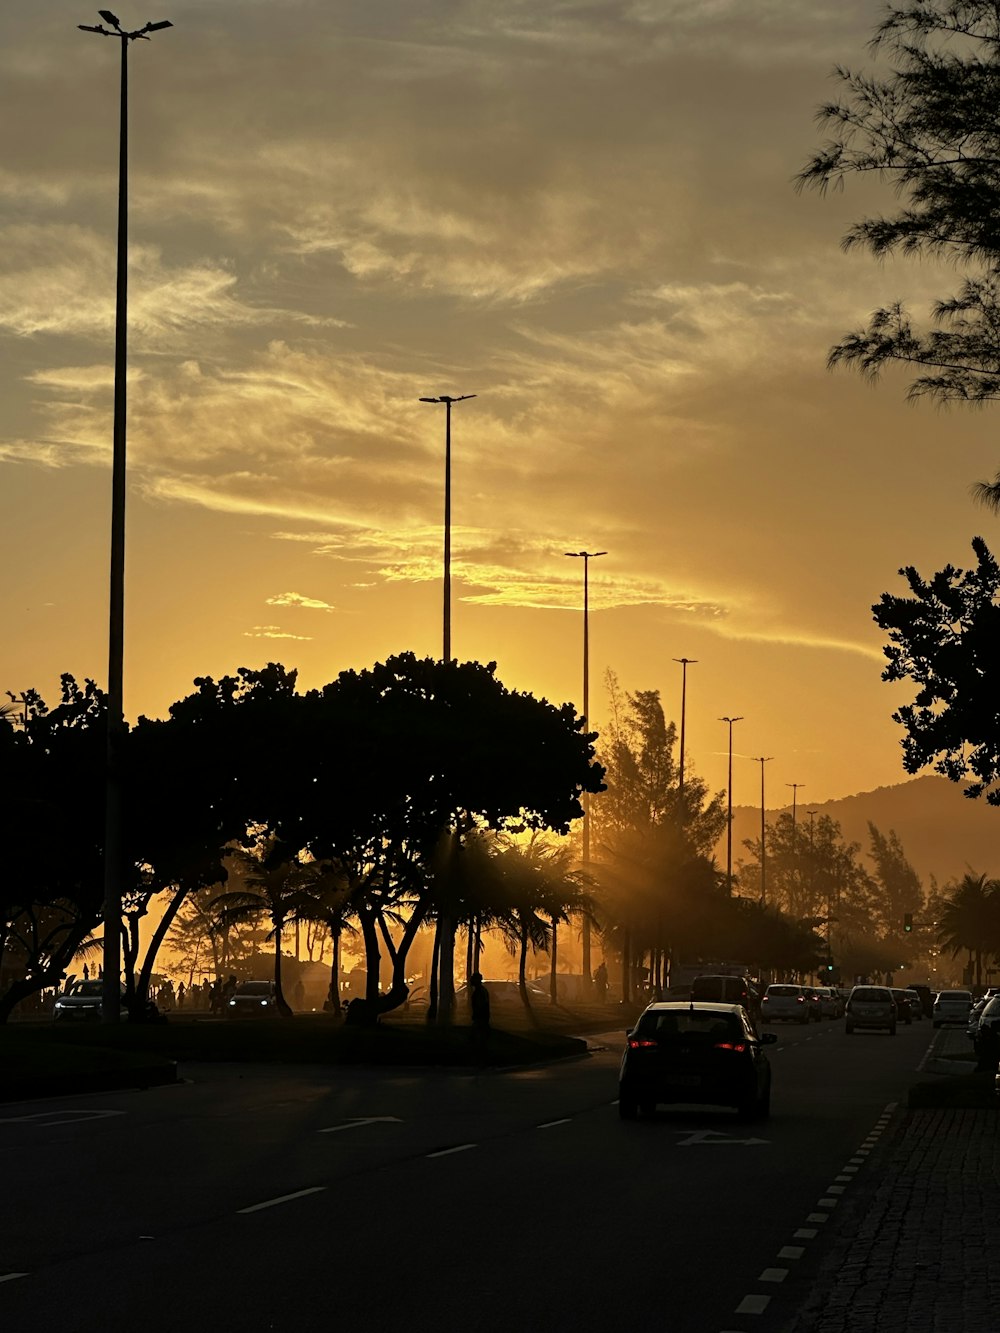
258 1198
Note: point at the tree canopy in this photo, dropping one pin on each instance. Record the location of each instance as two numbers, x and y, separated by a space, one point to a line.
944 639
928 122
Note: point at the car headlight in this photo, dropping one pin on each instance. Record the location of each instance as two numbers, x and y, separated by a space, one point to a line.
232 1004
264 1003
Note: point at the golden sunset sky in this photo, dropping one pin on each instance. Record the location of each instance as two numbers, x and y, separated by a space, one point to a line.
584 214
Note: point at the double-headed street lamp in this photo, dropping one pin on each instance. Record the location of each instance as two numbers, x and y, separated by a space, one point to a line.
586 557
729 826
114 840
447 399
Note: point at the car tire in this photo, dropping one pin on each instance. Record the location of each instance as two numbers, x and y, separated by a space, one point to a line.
648 1109
849 1029
892 1030
628 1107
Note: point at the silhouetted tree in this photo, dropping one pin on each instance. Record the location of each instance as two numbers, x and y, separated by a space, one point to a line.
971 920
928 124
944 639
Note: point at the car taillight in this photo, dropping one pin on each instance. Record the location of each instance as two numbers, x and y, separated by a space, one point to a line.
639 1043
764 1000
800 999
737 1046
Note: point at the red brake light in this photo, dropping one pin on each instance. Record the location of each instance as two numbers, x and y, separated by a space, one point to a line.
737 1046
637 1043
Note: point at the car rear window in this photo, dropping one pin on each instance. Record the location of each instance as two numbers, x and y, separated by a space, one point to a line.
688 1022
784 990
963 995
870 993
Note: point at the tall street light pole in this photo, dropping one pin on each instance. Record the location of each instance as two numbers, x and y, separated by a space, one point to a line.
729 826
447 399
114 840
762 760
685 662
586 557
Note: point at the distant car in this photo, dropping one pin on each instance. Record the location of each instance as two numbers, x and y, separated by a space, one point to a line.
82 1003
507 993
904 1010
952 1006
252 999
695 1052
830 1003
784 1003
975 1014
726 990
814 1002
870 1007
916 1003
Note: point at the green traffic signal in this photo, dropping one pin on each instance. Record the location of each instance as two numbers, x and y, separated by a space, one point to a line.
908 922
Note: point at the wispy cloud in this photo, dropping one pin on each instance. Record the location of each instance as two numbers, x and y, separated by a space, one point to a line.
296 599
274 632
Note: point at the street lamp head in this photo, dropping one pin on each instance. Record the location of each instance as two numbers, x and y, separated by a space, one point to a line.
108 17
730 720
155 27
449 398
585 555
94 27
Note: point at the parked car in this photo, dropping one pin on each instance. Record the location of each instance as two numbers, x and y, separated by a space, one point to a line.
814 1003
784 1003
904 1012
987 1038
252 999
82 1002
975 1014
952 1006
927 997
507 993
916 1003
727 990
830 1003
695 1052
870 1007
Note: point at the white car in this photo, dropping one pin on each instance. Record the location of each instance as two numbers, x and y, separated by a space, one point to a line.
83 1003
252 999
952 1006
784 1003
870 1007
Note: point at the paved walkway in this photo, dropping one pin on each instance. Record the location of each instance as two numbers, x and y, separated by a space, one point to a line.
919 1254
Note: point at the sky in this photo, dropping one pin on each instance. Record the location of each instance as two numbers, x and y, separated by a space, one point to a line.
582 212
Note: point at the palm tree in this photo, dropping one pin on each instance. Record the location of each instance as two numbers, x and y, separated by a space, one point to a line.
326 897
971 920
273 889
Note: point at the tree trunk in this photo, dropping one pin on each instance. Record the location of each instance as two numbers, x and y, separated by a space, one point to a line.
446 968
522 965
432 993
553 989
470 948
626 969
137 1010
335 974
284 1009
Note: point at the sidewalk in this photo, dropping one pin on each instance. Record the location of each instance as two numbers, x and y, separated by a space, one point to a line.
919 1253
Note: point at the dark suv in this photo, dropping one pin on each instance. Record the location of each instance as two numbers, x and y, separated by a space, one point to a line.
727 990
695 1052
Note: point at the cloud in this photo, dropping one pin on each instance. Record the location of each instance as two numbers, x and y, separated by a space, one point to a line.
298 600
274 632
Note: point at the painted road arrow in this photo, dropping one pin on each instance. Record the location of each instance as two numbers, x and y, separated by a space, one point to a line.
357 1121
712 1136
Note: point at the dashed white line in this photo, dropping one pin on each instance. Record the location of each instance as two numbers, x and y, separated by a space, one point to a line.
9 1277
835 1189
282 1198
805 1233
828 1203
753 1305
817 1217
773 1275
446 1152
550 1123
791 1252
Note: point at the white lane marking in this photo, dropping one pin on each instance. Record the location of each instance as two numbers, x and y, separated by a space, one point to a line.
817 1217
848 1172
773 1275
856 1161
446 1152
550 1123
791 1252
828 1203
753 1305
65 1117
282 1198
712 1136
357 1121
805 1233
9 1277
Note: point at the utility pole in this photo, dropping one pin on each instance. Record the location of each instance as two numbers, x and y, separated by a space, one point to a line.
586 557
114 835
762 760
729 790
685 662
447 400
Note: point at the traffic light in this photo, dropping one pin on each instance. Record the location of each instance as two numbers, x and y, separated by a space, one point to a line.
908 922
